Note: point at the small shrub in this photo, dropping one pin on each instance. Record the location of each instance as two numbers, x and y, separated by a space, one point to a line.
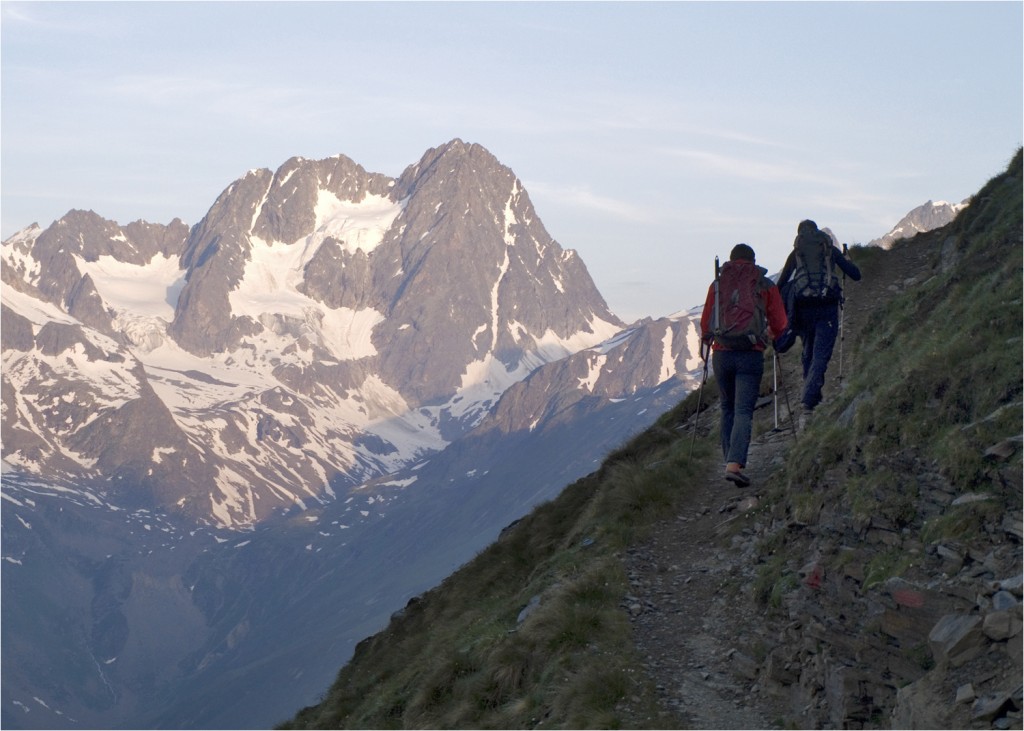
963 523
768 576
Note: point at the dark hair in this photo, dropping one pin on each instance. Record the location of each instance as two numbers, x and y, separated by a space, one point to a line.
741 251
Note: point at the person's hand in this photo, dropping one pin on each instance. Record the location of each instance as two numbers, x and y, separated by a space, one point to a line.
785 341
705 346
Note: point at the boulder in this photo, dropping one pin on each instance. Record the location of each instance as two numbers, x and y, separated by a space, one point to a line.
1000 626
990 706
779 668
921 705
1003 601
965 693
1013 585
743 666
848 699
956 638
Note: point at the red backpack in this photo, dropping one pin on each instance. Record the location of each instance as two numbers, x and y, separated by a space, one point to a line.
739 321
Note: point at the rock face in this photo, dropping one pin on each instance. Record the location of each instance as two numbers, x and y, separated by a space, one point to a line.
451 254
856 652
320 326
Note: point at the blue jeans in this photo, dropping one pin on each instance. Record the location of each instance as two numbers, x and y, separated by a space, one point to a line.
738 373
817 327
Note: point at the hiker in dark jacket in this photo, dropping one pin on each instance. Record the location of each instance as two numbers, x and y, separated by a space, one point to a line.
815 319
738 369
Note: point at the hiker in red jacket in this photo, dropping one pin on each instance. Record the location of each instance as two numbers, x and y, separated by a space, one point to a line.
738 323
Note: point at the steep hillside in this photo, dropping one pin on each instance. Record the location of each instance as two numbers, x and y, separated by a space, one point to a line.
872 577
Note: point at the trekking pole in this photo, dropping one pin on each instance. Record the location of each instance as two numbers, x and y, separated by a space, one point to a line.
775 390
700 397
718 306
842 317
705 351
785 392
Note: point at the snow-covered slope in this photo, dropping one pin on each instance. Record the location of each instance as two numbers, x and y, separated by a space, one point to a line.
320 327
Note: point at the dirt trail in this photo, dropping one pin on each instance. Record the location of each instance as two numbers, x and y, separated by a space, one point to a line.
694 635
691 633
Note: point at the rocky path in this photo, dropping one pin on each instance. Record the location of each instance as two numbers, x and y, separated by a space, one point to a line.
694 621
687 623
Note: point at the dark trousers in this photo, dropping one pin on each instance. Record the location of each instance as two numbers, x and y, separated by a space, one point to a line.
738 374
818 327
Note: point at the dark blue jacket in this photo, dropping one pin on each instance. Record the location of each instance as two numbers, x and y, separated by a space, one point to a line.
838 260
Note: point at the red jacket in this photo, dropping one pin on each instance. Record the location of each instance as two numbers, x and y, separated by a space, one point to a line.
774 307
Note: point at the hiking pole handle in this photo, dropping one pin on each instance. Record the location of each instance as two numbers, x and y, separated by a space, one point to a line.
842 295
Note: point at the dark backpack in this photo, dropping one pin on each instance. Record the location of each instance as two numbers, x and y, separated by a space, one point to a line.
739 321
814 276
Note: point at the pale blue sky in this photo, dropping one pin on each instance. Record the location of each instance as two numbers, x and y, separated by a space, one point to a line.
650 136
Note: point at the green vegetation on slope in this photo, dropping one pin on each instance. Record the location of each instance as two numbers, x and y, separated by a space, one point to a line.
938 378
458 657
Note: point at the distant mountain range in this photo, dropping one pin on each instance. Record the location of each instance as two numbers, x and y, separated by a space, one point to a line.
332 365
321 326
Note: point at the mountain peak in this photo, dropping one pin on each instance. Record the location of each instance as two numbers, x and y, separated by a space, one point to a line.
393 314
925 217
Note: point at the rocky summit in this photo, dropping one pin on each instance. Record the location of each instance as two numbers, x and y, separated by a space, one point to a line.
320 326
926 217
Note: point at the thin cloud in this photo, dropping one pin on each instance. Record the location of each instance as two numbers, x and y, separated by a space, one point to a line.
51 17
582 197
16 13
746 168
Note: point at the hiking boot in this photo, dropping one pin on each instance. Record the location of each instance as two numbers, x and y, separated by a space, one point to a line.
737 478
